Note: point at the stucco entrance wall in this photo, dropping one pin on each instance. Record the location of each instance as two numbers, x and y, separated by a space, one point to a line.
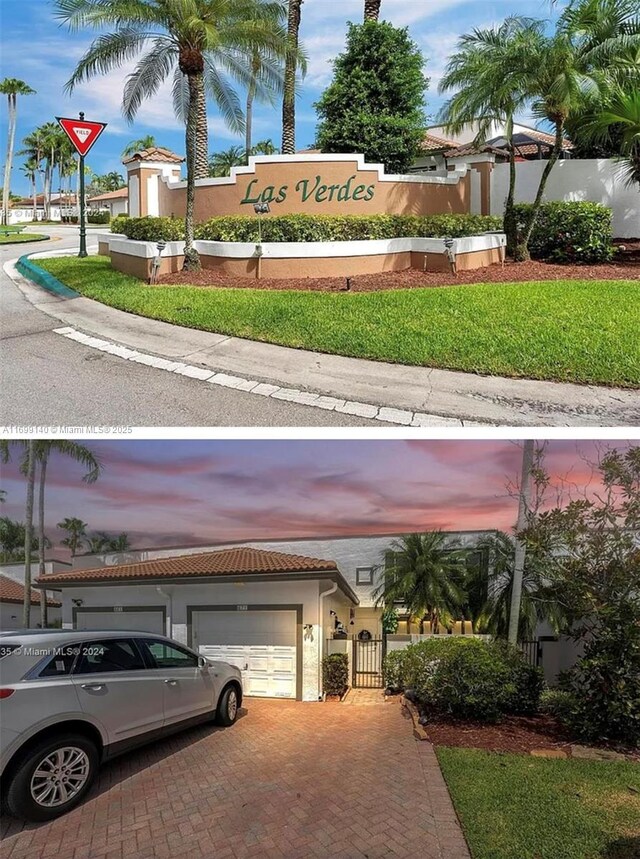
321 185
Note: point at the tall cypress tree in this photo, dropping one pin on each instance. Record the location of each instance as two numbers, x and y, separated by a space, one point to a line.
375 102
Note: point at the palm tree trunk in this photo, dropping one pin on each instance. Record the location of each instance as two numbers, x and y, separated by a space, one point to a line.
522 248
523 516
35 196
6 188
46 202
289 97
191 258
251 94
202 134
510 223
372 10
28 533
41 536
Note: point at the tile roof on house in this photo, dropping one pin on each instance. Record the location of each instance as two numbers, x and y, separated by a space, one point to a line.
238 561
432 143
156 153
120 194
13 592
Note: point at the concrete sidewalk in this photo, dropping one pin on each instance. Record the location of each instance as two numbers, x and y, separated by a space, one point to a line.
411 396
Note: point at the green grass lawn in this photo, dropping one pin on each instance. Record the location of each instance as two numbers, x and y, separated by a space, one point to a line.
577 331
519 807
14 238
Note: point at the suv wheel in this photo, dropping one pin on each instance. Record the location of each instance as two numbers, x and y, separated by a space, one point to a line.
227 710
52 777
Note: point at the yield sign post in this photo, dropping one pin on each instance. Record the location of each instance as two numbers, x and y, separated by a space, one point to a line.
82 135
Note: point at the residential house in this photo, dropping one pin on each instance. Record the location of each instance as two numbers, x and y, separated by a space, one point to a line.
12 600
115 202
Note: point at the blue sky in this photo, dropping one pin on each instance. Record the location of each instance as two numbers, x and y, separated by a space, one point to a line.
178 492
36 49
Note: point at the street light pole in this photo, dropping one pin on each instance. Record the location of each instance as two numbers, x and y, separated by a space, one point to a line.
520 552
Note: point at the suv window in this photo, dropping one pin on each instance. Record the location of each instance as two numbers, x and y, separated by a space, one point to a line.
165 655
61 663
108 654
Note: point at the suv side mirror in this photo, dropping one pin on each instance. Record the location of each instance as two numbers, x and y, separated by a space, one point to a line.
202 662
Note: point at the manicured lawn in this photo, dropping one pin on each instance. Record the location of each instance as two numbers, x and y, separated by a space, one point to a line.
577 331
15 238
519 807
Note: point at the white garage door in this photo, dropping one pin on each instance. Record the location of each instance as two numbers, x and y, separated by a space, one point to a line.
262 644
143 621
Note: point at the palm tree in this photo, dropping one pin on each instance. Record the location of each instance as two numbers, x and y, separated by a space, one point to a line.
146 142
12 539
76 530
98 542
372 10
220 163
538 601
195 38
12 88
491 72
121 543
290 71
29 170
621 110
264 147
426 575
28 467
42 450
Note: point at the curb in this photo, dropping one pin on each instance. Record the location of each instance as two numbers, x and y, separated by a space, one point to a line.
44 279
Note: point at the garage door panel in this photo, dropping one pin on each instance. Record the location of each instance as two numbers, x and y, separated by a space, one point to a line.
262 644
142 621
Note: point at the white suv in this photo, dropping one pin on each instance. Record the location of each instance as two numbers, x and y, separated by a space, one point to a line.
72 699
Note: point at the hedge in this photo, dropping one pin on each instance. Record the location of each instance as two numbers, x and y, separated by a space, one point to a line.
310 228
335 673
98 217
575 232
117 223
466 678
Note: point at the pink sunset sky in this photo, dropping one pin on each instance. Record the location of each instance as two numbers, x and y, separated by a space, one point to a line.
191 492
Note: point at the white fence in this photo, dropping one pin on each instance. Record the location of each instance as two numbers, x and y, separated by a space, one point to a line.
596 180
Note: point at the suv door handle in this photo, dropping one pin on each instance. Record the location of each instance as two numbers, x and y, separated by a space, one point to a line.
171 682
92 687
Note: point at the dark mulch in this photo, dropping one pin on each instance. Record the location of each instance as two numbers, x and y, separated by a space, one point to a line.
520 734
626 266
512 734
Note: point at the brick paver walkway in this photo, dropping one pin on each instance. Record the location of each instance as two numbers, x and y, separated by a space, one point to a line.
287 780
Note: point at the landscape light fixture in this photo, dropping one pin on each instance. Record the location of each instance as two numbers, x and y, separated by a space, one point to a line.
161 245
260 209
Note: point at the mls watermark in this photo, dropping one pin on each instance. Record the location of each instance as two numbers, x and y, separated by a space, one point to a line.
60 429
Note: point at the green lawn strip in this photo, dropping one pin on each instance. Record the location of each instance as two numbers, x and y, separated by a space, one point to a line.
577 331
519 807
21 238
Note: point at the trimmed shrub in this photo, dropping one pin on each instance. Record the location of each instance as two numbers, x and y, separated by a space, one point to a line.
117 223
335 673
466 677
153 229
308 228
332 228
98 217
569 232
559 704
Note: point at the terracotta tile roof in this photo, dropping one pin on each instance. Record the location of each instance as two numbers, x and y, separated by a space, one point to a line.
432 142
227 562
120 194
156 153
13 592
470 149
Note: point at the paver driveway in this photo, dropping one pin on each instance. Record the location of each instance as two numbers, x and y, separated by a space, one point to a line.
287 780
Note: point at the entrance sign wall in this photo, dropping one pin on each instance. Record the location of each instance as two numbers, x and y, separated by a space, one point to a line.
320 185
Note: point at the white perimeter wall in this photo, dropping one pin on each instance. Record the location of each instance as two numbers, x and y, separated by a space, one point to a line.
596 180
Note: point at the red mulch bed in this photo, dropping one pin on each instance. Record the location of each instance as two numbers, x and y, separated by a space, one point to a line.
626 266
519 734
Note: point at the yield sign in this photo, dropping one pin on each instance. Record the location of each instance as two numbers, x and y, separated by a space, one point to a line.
81 133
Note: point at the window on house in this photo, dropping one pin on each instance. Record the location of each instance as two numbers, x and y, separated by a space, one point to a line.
364 576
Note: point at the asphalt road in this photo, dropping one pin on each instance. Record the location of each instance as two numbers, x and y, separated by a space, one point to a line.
47 380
